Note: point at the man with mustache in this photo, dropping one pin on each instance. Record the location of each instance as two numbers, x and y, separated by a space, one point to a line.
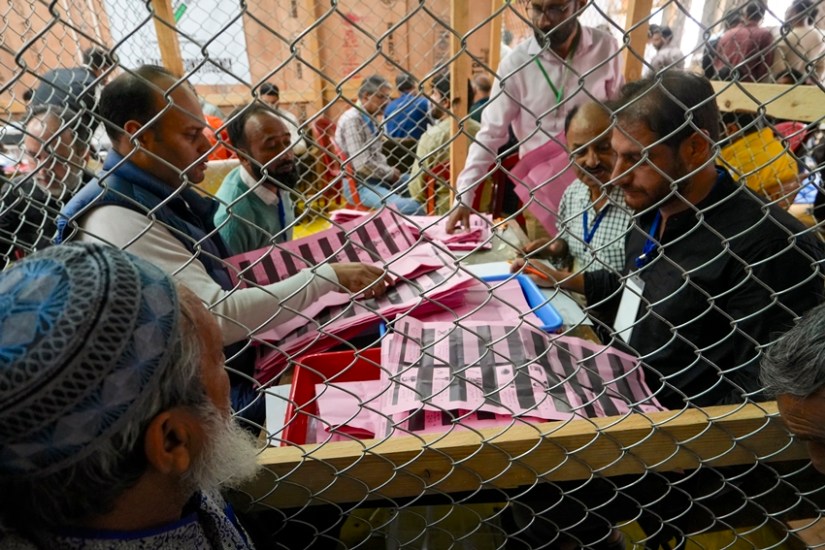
563 65
115 422
712 273
593 219
256 207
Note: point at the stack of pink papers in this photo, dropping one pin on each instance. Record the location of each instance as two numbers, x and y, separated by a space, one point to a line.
373 237
437 376
433 228
337 318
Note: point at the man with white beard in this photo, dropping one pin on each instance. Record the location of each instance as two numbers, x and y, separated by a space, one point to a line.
115 423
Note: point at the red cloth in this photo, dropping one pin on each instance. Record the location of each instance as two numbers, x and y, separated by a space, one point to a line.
220 152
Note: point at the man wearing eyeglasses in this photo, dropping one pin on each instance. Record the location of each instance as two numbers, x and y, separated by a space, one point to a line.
359 136
565 64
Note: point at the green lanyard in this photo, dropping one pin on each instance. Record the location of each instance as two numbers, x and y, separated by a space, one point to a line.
559 92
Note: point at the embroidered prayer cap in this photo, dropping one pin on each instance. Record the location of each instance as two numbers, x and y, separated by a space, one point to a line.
85 333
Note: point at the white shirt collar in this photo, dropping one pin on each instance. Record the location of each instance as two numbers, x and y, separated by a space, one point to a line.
266 195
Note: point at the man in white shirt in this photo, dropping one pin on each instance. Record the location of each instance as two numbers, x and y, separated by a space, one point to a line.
563 65
800 45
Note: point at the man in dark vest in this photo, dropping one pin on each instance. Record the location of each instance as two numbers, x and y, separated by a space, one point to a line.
142 201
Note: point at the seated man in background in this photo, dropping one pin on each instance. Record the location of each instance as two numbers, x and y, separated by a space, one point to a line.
131 439
434 149
712 274
668 56
482 86
406 118
359 138
145 206
593 219
57 149
256 208
271 95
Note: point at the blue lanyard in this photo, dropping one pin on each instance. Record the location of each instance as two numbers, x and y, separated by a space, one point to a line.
370 124
590 231
650 244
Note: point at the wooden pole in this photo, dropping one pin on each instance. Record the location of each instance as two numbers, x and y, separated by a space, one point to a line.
460 73
495 35
637 12
167 36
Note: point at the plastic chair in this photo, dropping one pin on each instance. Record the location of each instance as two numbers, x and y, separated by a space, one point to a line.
348 177
323 130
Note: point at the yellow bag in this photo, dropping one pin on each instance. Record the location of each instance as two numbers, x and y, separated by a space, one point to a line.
764 164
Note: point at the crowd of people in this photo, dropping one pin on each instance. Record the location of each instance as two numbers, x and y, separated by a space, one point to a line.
120 314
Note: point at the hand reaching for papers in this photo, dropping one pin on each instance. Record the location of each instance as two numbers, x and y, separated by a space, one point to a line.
357 277
460 215
547 248
546 276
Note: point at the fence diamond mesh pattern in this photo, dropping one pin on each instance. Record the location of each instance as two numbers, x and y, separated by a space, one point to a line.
460 406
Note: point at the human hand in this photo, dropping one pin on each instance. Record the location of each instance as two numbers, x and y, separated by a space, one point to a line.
546 248
541 274
460 215
366 279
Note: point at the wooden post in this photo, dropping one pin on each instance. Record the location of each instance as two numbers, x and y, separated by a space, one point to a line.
167 36
313 54
460 73
637 11
495 35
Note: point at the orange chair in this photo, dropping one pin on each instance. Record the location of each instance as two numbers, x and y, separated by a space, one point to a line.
323 130
348 177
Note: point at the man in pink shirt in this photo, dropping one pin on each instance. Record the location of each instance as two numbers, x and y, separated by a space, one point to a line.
745 52
563 65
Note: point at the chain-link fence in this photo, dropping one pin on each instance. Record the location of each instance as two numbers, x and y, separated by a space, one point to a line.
606 397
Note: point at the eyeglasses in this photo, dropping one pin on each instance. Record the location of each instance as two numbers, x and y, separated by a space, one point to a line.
382 97
554 11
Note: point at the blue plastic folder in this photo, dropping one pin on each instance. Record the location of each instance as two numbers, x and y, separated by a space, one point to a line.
544 310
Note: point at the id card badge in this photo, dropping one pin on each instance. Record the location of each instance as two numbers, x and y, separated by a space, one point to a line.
629 307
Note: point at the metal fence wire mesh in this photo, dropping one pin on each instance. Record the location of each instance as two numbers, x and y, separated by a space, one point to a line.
474 416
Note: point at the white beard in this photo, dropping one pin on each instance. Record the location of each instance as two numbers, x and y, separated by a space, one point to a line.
229 457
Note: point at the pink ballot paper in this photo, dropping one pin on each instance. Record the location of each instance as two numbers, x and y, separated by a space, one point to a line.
541 178
331 322
438 376
372 238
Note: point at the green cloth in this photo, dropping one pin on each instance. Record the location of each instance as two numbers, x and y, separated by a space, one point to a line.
244 220
436 140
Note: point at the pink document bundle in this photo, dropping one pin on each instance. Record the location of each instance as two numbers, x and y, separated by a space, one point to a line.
438 375
332 322
372 238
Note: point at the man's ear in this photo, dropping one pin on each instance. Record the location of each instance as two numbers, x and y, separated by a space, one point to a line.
132 127
171 441
697 149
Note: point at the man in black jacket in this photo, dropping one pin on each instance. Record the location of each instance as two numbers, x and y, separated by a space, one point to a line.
713 274
56 147
77 88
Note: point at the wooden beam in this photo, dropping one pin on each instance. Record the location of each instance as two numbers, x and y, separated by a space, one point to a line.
168 43
461 71
495 35
803 103
637 13
516 456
